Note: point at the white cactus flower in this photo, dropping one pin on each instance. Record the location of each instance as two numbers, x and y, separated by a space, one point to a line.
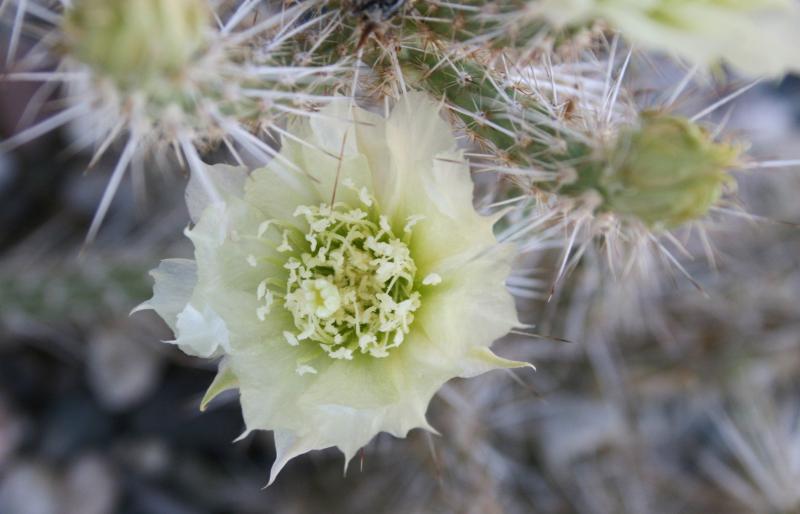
755 36
342 297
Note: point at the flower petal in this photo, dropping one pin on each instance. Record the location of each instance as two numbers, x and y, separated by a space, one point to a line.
756 36
201 333
468 311
175 280
228 181
452 230
481 360
225 238
333 129
277 189
430 178
225 380
415 135
371 136
344 405
334 155
334 176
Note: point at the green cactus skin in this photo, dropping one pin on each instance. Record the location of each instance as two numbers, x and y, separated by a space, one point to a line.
660 169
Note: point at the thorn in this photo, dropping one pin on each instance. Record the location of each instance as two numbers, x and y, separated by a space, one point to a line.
339 167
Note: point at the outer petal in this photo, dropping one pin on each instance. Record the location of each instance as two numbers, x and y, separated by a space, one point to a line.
481 360
430 178
224 304
415 135
754 40
228 181
756 36
225 380
467 312
346 428
275 396
345 404
175 280
332 175
334 154
452 230
371 136
197 333
225 238
268 382
201 334
277 189
333 130
331 154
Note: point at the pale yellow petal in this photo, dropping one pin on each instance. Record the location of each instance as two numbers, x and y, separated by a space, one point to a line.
344 404
480 360
175 280
470 308
227 182
452 231
225 380
332 130
429 177
755 36
277 189
335 155
415 135
201 333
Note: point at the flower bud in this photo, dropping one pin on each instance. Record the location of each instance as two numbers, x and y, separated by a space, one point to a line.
666 171
135 41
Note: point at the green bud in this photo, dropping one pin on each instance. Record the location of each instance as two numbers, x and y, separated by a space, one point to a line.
136 41
666 171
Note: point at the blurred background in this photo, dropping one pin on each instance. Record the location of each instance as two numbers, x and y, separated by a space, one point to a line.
687 403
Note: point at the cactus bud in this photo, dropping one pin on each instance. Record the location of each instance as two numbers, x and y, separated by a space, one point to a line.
668 171
133 41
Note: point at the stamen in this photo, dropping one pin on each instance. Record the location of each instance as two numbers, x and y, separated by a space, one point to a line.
431 279
302 369
290 338
352 290
285 246
411 221
262 228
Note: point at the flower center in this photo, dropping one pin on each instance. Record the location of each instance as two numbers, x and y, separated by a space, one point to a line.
353 289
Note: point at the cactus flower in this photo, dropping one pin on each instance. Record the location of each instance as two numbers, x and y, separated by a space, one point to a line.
343 284
758 37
